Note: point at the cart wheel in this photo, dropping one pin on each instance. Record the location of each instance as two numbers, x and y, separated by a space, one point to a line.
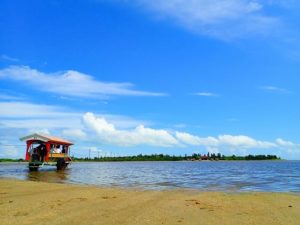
61 164
31 169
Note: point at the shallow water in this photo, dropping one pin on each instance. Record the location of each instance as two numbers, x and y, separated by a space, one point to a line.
266 176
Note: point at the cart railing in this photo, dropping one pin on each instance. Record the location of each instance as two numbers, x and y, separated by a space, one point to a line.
58 155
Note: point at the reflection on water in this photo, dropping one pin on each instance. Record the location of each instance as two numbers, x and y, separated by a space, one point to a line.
51 176
278 176
45 174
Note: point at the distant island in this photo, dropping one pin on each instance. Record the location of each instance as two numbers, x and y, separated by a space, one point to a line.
165 157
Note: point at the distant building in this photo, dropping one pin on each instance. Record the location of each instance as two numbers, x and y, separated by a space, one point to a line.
204 157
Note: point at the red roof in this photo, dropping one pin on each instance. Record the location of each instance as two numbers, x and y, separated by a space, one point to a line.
45 138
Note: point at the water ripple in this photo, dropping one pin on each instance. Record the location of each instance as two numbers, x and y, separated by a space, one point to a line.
275 176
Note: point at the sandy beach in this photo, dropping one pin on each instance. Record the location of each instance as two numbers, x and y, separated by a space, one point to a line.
26 202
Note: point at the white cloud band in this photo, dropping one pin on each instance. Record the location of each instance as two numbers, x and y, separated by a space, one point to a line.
141 135
222 19
70 83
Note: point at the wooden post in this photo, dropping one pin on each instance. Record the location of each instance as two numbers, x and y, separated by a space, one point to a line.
47 151
27 150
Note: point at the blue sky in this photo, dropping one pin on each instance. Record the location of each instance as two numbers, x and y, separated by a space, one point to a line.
130 77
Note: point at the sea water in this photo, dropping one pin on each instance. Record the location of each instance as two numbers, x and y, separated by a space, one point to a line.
266 176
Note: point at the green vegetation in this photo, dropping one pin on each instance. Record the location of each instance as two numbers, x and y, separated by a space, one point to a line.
252 157
162 157
156 157
11 160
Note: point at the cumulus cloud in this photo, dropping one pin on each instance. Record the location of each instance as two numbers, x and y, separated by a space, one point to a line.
243 142
224 141
138 136
124 122
287 144
190 139
74 133
222 19
288 148
109 129
70 83
107 132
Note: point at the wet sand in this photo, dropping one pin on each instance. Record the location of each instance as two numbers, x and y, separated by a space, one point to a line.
26 202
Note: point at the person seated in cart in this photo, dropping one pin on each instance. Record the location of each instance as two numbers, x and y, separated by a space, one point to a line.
35 154
43 152
55 149
64 149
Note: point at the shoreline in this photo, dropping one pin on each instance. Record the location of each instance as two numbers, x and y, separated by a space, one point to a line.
141 189
192 161
29 202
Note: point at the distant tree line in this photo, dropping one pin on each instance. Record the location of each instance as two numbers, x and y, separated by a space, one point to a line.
163 157
11 160
153 157
252 157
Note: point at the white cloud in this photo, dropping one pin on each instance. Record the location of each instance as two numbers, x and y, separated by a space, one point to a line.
224 141
243 142
139 136
70 83
189 139
237 144
288 149
9 97
276 89
287 145
37 117
8 58
74 133
207 94
40 124
123 122
14 109
240 144
222 19
22 117
26 115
